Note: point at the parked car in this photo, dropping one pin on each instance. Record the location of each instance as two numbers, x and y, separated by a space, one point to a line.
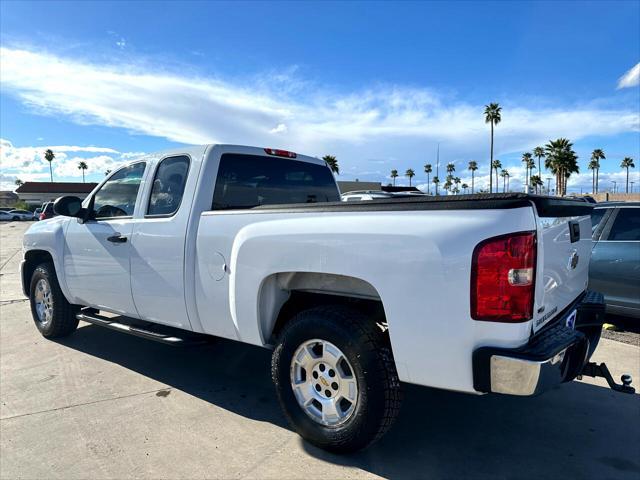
615 259
36 213
254 245
6 209
7 217
360 195
47 211
22 214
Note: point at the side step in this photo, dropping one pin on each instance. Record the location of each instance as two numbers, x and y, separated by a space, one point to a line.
150 331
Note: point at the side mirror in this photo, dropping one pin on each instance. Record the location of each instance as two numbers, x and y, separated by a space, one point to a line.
69 207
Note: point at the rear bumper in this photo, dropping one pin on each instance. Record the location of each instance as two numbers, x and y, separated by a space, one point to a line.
554 355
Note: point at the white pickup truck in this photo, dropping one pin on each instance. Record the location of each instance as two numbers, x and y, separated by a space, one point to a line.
472 293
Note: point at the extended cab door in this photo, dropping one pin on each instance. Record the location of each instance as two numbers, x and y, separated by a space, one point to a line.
96 256
158 244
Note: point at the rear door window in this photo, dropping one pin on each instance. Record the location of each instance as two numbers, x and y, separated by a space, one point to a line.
626 226
247 181
168 186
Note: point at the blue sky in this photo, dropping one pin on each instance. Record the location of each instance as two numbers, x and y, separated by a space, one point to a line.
377 84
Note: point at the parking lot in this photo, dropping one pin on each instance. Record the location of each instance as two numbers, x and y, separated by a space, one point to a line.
101 404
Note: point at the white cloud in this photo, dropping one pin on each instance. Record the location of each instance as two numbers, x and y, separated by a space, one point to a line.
28 163
631 78
281 128
387 122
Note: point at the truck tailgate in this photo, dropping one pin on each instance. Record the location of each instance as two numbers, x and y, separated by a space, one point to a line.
564 248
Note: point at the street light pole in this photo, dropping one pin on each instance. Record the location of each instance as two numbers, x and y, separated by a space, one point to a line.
614 185
548 180
632 186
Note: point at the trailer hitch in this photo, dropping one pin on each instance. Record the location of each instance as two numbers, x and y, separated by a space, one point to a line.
592 369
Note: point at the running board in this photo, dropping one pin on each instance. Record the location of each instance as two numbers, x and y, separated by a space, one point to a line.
155 332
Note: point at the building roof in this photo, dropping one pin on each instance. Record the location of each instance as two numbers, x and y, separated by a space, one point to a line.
55 187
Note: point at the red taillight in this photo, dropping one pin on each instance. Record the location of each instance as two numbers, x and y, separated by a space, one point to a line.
42 216
280 153
503 278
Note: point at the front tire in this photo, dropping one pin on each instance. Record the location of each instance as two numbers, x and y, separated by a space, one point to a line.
335 378
53 315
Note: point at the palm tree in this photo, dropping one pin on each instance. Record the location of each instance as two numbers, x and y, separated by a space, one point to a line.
448 184
436 181
538 152
465 187
627 162
492 115
593 165
82 166
333 163
496 164
428 169
526 159
597 155
504 174
536 182
451 168
394 175
531 166
562 161
409 173
473 166
18 182
49 156
457 181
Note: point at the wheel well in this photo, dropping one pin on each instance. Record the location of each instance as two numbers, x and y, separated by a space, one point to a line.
300 300
33 258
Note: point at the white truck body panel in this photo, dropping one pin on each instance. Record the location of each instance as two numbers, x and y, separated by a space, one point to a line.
221 272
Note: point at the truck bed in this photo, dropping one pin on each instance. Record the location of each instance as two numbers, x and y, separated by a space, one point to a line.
545 206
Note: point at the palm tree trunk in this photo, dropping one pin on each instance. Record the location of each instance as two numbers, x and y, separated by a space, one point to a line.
491 162
472 182
82 176
597 175
394 181
627 189
428 185
51 172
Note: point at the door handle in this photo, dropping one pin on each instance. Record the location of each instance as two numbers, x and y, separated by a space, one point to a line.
117 238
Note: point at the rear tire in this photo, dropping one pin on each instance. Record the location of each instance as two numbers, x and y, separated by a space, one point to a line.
336 332
53 315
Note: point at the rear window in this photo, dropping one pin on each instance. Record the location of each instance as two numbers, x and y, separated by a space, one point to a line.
247 181
626 226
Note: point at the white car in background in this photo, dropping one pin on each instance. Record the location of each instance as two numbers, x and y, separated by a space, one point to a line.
5 217
359 195
21 214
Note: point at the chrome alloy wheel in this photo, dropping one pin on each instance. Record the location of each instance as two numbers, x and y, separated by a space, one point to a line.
43 301
324 382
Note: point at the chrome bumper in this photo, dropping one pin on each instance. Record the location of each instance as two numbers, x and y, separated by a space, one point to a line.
556 354
515 376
